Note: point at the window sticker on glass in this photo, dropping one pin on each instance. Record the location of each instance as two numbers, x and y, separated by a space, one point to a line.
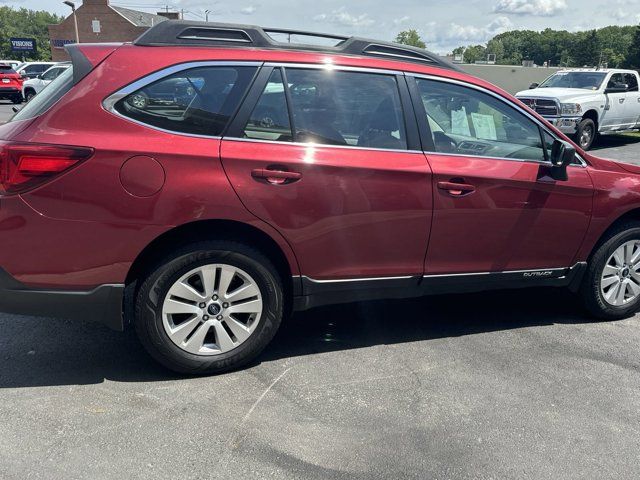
484 125
460 122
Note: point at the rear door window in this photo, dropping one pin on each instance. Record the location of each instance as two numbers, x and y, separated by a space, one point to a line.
270 117
346 108
198 101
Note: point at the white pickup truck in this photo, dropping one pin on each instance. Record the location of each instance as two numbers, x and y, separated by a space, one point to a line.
587 102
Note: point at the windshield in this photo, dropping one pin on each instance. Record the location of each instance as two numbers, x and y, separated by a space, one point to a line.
47 97
584 80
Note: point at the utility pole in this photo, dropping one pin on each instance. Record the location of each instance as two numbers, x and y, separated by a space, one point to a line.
75 19
206 15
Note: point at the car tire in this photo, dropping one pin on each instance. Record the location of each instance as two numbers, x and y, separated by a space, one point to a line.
202 346
17 100
608 294
586 133
139 100
28 95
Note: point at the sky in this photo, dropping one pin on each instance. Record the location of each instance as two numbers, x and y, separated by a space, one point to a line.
443 25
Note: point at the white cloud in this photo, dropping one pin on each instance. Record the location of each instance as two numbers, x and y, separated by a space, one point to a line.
623 16
248 10
342 17
540 8
401 20
444 35
619 14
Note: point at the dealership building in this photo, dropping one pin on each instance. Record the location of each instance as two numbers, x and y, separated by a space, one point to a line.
98 21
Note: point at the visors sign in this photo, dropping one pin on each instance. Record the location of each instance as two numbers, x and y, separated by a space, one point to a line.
23 44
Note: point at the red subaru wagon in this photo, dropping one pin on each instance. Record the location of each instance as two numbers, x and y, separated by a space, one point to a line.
208 179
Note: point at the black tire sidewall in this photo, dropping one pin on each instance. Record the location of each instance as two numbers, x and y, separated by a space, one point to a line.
581 127
148 315
591 290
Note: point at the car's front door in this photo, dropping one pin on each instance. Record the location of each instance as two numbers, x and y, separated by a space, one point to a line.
632 102
615 115
495 207
327 158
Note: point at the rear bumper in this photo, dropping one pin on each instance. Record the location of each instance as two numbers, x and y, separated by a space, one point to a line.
6 91
102 304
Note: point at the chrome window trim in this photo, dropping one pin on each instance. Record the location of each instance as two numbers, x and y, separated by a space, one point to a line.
507 102
108 104
321 145
329 67
333 67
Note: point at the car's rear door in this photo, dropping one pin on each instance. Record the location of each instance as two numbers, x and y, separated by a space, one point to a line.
495 207
330 157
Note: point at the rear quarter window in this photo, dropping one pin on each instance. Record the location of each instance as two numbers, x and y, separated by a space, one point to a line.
197 101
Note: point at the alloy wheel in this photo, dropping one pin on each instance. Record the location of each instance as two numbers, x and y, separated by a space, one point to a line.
620 280
212 309
139 101
585 136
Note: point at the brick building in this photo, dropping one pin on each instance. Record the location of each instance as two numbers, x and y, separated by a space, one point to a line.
100 22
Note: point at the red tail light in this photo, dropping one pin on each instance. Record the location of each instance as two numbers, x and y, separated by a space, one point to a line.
24 166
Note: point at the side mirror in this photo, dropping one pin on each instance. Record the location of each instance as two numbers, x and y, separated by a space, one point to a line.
533 85
562 155
617 88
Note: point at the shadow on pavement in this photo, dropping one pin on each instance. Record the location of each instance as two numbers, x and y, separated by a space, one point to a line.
45 352
613 141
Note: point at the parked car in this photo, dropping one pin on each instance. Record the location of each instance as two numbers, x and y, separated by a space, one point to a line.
295 176
175 93
31 87
12 63
10 84
33 69
586 102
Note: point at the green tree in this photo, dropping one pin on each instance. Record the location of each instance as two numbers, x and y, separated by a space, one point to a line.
474 53
410 37
587 50
495 47
613 44
28 24
611 58
633 55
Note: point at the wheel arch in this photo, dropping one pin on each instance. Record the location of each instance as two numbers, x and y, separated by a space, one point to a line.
207 230
592 114
629 216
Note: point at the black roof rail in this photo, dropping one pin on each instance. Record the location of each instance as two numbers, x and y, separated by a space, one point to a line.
191 33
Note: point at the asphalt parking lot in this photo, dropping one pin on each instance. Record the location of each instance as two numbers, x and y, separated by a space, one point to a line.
498 385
